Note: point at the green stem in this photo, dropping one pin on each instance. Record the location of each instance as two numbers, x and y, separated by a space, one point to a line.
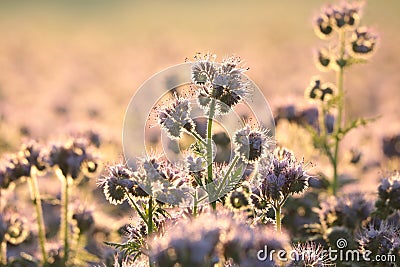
195 203
136 207
278 218
209 147
339 121
150 216
36 199
65 215
3 253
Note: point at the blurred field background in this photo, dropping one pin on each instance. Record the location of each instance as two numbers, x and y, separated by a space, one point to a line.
74 65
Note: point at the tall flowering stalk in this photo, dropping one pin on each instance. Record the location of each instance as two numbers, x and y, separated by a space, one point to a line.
349 44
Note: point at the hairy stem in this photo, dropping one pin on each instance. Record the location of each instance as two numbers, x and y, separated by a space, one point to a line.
3 253
150 216
37 202
142 216
339 121
209 147
278 218
67 181
195 203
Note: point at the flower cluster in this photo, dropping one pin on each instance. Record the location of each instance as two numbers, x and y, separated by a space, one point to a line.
381 239
175 118
343 19
251 144
223 82
72 158
20 165
14 228
335 18
225 241
320 91
282 177
388 195
348 210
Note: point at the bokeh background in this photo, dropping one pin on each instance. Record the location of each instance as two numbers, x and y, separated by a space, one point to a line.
74 65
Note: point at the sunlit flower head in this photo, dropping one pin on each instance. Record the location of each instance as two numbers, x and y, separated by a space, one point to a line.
348 210
323 59
175 118
363 41
224 82
73 157
381 239
238 199
117 182
281 177
318 91
252 144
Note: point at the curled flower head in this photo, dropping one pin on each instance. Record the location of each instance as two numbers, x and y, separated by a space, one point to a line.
319 91
73 158
363 41
34 155
324 59
282 177
222 82
238 199
381 239
345 15
175 118
333 18
323 23
13 169
388 195
251 144
117 182
17 228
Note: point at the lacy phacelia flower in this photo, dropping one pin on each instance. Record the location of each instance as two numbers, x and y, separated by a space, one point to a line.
319 91
345 15
382 239
347 210
333 18
324 59
20 164
119 181
72 158
251 144
364 41
165 180
388 195
225 240
175 118
238 199
282 177
17 227
223 82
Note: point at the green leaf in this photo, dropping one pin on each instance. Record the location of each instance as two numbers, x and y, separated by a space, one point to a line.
355 124
353 60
